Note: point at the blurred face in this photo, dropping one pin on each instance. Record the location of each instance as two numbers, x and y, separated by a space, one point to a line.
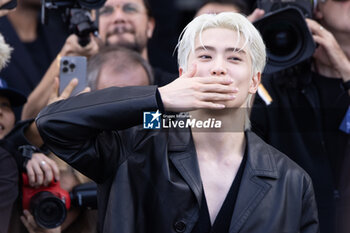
7 117
108 77
334 15
215 8
125 23
225 59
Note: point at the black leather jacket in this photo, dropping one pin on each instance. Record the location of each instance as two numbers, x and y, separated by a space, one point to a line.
149 180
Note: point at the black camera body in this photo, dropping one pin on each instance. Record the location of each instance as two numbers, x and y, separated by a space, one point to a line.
49 205
77 14
286 35
306 6
85 4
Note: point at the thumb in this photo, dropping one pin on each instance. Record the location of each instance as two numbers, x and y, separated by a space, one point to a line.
191 72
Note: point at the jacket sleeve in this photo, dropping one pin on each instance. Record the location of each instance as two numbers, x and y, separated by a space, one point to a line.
309 218
83 130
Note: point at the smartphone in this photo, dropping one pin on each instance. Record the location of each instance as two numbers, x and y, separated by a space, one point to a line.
73 67
10 5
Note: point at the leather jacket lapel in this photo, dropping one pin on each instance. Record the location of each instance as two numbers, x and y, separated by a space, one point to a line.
183 155
253 188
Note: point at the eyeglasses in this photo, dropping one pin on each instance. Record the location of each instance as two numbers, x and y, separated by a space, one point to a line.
127 8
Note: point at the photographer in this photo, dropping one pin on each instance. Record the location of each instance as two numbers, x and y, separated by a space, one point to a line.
41 169
308 105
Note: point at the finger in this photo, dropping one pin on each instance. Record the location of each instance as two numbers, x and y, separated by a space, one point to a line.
87 89
39 176
191 72
27 224
219 88
216 97
30 173
47 171
213 80
69 88
210 105
54 169
315 27
29 219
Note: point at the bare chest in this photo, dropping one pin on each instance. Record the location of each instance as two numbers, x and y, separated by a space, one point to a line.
217 180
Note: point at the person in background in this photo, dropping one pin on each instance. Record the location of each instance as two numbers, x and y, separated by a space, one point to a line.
118 66
10 160
238 6
123 23
306 110
35 45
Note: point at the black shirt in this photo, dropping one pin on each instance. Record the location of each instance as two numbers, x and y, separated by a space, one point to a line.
223 219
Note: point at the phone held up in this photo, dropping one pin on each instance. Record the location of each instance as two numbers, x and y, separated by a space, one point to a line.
10 5
73 67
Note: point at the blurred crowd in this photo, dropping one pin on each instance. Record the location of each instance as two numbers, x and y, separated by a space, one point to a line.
303 110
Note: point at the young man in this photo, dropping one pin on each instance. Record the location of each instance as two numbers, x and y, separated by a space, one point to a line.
182 180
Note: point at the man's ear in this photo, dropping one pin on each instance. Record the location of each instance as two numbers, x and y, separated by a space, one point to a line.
254 84
150 27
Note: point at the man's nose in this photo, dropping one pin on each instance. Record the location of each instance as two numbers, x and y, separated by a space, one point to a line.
118 14
219 68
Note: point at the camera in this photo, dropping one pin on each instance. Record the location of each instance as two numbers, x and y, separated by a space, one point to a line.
77 14
286 35
49 204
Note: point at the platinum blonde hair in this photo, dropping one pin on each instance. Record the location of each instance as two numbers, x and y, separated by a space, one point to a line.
253 41
233 21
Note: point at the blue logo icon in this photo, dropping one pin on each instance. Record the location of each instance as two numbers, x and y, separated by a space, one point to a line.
151 120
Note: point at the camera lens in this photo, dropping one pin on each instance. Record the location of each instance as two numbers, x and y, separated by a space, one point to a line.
287 38
48 210
283 41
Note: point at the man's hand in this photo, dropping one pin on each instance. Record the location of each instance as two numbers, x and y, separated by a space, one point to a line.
73 48
66 92
329 53
188 92
41 170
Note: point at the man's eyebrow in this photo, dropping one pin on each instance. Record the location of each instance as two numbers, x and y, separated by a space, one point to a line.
211 48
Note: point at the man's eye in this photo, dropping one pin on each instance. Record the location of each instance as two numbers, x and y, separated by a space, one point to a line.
204 56
129 8
106 10
235 58
5 105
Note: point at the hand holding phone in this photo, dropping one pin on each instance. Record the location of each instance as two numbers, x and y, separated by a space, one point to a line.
73 67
